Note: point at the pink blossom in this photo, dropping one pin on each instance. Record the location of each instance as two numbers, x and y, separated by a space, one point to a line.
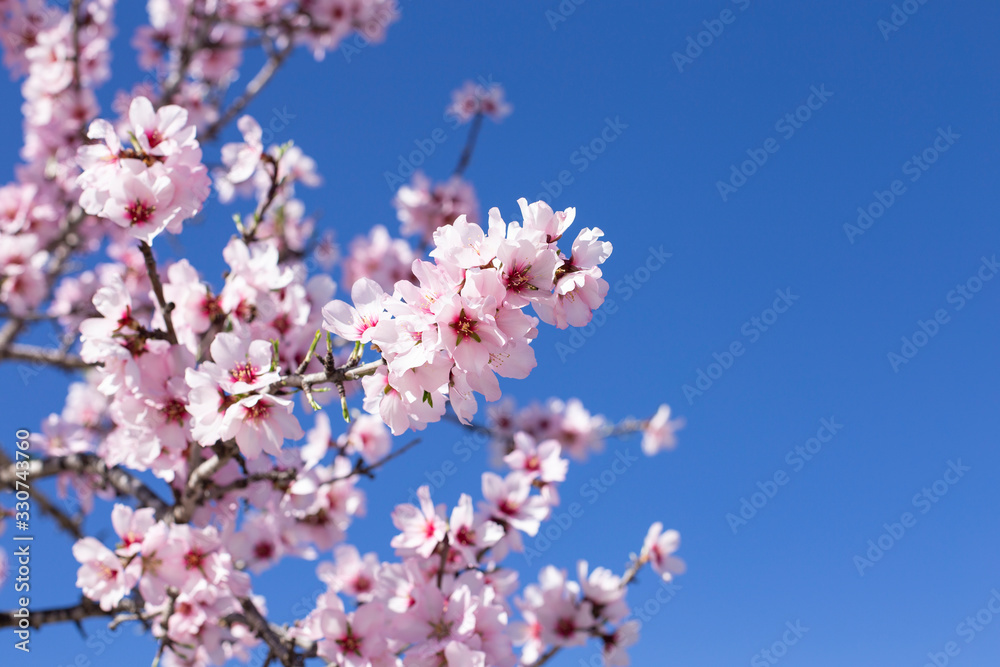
659 547
509 500
473 98
356 323
243 158
101 575
131 526
260 423
615 644
469 535
541 461
422 207
659 432
367 436
241 365
423 528
355 641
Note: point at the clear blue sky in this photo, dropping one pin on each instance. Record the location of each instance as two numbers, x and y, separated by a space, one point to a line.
883 102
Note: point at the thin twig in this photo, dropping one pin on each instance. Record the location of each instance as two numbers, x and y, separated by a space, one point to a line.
118 479
154 278
44 355
76 613
470 145
263 76
48 507
362 468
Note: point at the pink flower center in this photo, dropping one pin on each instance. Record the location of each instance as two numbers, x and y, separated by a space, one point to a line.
350 644
210 307
154 137
244 372
465 536
193 560
258 412
519 278
509 508
282 324
263 550
565 627
465 328
139 212
174 411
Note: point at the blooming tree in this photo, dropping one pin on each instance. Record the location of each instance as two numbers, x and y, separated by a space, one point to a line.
185 418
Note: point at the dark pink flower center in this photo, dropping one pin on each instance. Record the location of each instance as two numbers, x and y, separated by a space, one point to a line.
258 412
566 627
139 212
244 372
465 328
509 508
174 411
194 559
465 536
263 550
350 644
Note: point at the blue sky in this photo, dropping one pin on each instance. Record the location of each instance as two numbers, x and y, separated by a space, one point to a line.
879 98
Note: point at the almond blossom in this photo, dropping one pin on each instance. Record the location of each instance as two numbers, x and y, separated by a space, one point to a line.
184 420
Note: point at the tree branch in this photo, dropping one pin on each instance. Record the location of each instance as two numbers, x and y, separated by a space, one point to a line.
280 648
118 479
470 145
321 377
263 76
154 278
84 609
44 355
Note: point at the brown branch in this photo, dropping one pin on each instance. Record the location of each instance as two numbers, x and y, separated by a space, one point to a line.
115 478
154 278
362 468
49 508
44 355
545 657
184 52
470 145
263 76
280 478
324 376
280 647
198 478
76 613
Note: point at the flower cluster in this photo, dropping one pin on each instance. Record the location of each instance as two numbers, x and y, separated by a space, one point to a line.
463 323
192 409
156 183
474 99
183 573
423 207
